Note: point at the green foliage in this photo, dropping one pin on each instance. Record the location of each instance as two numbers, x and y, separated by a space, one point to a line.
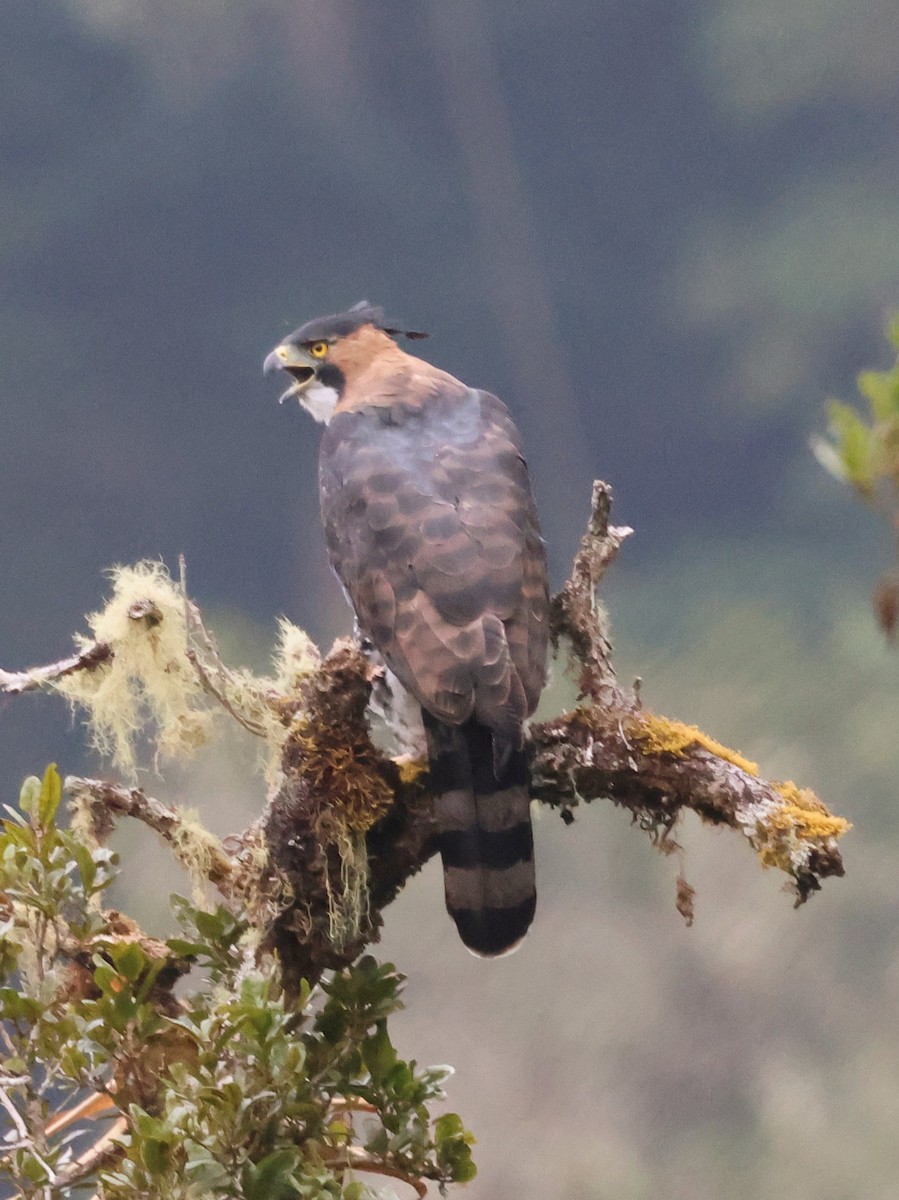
229 1090
863 449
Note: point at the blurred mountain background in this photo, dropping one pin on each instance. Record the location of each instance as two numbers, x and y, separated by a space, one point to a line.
664 231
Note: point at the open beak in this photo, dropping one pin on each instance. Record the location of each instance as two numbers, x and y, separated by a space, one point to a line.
296 362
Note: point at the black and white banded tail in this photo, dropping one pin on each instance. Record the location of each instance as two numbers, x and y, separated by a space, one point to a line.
484 834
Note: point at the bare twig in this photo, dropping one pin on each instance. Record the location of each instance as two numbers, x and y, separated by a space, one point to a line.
26 1138
351 1104
98 1104
575 611
14 1115
353 1158
34 678
105 1150
203 655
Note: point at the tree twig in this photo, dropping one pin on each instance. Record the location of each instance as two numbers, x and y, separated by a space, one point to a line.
34 678
575 611
98 1104
14 1115
354 1158
112 800
101 1153
26 1139
203 655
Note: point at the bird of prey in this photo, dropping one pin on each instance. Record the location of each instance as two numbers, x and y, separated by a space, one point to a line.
432 530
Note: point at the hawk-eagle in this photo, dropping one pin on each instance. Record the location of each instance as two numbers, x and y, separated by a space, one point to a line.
431 528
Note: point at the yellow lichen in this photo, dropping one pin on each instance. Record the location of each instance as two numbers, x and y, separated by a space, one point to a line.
805 815
148 683
785 832
659 735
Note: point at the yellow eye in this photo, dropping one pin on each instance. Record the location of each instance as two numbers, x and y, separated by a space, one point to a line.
318 349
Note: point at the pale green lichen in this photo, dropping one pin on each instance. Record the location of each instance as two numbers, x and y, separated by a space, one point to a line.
271 705
349 907
149 687
296 657
148 684
199 851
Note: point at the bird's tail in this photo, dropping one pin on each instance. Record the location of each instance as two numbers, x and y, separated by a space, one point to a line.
485 836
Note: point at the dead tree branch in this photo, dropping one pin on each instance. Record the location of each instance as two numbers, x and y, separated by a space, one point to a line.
576 613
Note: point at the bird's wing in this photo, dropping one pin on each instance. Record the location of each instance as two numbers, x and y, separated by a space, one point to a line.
432 529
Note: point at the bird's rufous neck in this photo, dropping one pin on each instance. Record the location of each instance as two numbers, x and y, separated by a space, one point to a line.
377 372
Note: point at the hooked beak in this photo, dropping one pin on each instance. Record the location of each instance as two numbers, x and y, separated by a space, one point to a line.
296 362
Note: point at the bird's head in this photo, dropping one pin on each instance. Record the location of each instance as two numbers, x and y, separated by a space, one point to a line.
322 354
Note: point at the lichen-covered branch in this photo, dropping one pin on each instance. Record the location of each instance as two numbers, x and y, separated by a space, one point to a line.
345 825
659 769
611 748
200 851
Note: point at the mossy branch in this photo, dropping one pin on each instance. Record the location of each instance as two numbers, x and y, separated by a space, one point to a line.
345 825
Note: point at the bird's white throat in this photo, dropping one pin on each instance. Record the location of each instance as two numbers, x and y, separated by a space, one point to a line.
319 400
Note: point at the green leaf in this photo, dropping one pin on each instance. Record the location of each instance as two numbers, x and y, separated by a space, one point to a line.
378 1053
269 1178
87 868
208 1175
156 1155
453 1148
882 390
16 1007
204 1170
448 1126
106 977
856 445
29 795
464 1168
130 960
50 796
185 947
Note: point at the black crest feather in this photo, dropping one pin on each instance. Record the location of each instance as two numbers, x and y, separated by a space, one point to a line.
337 325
